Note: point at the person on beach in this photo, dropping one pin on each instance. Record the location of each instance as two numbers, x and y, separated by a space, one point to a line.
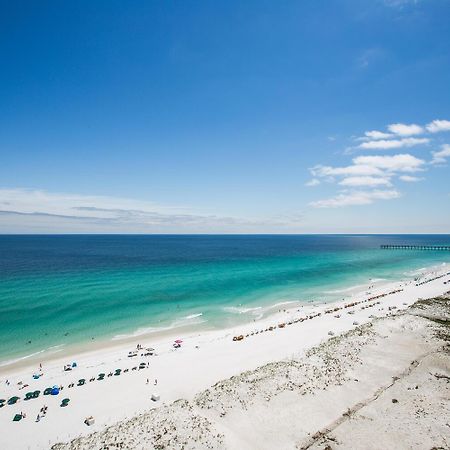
147 381
156 381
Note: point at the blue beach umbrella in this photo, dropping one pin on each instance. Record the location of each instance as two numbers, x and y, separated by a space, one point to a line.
55 391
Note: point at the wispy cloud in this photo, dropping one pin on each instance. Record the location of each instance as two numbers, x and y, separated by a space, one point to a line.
37 209
365 181
409 178
440 157
374 134
438 125
383 144
355 198
395 163
312 183
403 129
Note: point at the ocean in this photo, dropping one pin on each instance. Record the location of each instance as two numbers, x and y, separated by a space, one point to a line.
58 291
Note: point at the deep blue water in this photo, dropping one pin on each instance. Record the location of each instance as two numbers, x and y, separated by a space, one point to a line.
69 289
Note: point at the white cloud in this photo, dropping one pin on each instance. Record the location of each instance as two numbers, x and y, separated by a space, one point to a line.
395 163
356 198
354 170
313 182
438 125
374 134
383 144
41 211
409 178
403 129
441 156
365 181
399 3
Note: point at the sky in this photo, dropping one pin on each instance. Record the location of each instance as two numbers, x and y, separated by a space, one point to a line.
319 116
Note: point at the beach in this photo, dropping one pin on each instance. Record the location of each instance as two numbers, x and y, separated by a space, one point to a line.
201 378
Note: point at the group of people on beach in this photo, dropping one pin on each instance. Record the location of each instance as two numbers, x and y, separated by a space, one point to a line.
240 337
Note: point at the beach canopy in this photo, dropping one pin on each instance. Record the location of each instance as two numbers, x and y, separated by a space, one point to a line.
13 400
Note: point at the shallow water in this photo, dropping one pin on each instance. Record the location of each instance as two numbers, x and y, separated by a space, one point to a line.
61 290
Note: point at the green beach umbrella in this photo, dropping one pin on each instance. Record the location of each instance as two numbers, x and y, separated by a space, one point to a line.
13 400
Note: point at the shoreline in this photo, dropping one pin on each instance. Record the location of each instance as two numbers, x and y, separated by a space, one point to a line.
203 359
77 349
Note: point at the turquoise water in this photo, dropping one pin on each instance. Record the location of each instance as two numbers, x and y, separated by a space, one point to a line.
63 290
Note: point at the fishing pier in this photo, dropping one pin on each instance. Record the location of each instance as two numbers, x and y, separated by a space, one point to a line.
416 247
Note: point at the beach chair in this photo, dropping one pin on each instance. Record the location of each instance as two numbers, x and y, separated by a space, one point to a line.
65 402
101 376
117 372
17 418
81 382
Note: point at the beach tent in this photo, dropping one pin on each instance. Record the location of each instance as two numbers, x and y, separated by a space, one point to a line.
74 364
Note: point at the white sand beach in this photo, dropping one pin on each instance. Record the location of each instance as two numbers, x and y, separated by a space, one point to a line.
264 373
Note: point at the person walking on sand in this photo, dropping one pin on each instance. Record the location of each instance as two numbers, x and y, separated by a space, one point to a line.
147 381
156 381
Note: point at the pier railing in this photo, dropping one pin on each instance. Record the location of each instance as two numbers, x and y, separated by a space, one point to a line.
416 247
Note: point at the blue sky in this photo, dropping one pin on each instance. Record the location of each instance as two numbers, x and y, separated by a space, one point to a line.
225 116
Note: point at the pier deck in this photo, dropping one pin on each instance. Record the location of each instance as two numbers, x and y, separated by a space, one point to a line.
416 247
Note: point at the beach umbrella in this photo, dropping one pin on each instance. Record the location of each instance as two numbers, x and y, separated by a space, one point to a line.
13 400
55 391
178 341
150 349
